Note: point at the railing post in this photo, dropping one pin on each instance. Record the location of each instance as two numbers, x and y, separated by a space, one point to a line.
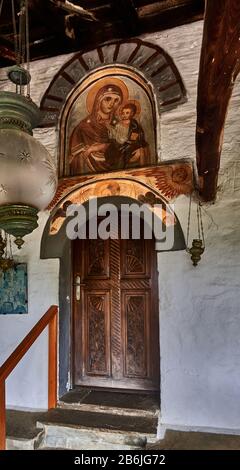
2 416
52 363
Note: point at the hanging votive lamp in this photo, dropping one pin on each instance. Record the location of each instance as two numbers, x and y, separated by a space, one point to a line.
28 177
27 173
198 244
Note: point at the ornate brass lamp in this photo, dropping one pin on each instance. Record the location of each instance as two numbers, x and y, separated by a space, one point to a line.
196 251
198 244
28 177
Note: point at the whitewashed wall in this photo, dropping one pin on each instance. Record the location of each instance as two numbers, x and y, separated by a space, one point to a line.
27 386
199 307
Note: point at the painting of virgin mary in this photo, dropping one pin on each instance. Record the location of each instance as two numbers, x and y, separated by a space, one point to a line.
109 137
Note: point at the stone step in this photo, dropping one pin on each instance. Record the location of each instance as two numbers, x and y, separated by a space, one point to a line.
22 433
108 402
74 429
21 443
87 419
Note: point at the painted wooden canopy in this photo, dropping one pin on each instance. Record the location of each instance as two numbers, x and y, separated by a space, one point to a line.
161 184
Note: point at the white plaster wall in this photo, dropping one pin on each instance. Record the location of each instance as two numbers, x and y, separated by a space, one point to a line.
199 307
183 44
27 386
200 325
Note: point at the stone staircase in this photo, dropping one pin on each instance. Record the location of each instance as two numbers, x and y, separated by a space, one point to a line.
87 420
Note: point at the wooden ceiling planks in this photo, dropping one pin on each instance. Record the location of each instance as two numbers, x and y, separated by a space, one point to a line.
53 31
127 13
219 67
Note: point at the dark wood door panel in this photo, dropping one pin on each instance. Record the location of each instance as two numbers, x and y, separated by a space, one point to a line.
97 333
96 257
135 259
116 342
135 320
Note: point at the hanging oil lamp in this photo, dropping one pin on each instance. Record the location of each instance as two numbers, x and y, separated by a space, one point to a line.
196 251
198 244
28 178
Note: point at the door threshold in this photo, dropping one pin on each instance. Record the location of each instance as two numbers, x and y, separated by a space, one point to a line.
113 402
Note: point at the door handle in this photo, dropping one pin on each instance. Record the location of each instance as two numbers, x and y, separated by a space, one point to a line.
78 284
77 288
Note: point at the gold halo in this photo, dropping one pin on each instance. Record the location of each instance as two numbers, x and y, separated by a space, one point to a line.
136 102
101 83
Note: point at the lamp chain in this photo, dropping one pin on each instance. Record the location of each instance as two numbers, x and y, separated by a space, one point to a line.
200 224
198 244
189 219
198 221
21 33
27 45
15 32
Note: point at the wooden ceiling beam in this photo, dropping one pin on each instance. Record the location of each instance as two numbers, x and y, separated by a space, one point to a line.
53 31
127 13
219 67
152 8
7 53
158 20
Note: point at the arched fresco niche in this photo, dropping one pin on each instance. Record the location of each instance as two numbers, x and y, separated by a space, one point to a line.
149 59
108 123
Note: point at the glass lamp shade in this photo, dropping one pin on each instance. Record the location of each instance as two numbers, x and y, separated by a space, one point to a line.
27 171
28 176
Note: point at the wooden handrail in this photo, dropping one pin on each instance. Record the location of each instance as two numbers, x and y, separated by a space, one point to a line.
49 319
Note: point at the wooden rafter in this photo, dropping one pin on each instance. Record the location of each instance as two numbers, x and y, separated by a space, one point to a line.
71 8
127 13
155 7
219 67
62 26
7 53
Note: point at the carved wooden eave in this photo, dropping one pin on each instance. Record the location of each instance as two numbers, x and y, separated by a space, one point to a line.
219 67
152 185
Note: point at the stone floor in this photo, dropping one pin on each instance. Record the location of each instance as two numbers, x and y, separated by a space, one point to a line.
179 440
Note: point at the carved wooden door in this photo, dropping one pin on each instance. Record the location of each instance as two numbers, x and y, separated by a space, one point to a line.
116 334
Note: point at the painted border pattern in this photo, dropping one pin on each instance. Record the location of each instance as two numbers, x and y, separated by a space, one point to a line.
149 59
